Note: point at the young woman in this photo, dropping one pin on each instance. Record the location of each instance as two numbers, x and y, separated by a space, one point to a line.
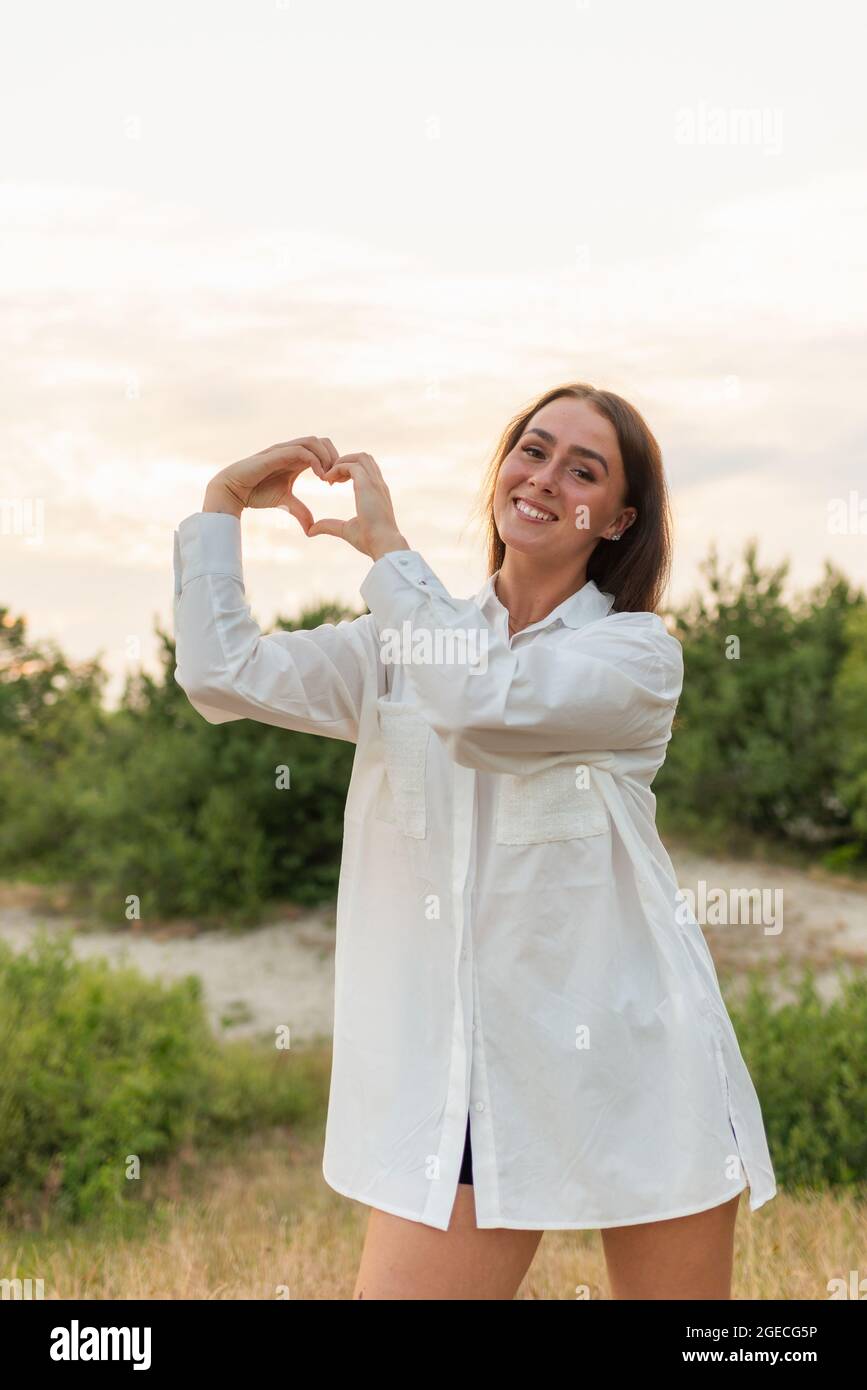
528 1031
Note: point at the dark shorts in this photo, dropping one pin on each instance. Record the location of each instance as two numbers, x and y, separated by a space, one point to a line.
467 1165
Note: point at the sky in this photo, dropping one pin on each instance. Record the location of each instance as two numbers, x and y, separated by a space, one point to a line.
229 224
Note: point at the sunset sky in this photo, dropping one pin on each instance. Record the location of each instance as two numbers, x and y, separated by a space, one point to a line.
228 224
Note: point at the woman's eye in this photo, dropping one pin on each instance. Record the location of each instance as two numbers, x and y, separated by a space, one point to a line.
534 449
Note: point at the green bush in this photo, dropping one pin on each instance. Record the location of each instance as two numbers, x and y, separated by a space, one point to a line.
757 749
809 1065
849 718
152 801
98 1063
769 751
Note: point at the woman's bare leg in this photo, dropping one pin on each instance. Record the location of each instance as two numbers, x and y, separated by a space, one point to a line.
405 1259
686 1257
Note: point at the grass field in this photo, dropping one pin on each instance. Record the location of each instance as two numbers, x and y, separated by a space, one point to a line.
262 1223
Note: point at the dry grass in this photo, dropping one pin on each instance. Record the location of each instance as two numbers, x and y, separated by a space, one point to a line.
263 1224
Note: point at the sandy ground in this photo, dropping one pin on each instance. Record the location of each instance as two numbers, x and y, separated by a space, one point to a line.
254 981
282 973
823 921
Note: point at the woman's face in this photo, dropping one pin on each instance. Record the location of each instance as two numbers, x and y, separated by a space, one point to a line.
567 464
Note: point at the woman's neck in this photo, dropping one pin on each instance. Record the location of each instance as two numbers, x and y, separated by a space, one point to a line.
530 594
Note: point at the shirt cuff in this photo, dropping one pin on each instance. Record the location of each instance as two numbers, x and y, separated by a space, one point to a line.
394 578
207 543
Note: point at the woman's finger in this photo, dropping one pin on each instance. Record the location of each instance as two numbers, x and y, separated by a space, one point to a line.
345 464
281 457
318 450
297 508
329 526
315 451
325 452
354 458
332 452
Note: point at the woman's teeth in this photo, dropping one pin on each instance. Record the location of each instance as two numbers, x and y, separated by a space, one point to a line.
532 513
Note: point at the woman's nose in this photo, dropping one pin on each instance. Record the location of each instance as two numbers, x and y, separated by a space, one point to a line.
545 474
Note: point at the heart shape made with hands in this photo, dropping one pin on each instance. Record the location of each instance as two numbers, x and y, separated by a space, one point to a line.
374 522
299 509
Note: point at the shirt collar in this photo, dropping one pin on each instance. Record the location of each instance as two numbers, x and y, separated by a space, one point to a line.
584 606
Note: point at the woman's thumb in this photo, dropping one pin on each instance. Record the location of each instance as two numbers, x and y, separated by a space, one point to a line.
298 509
329 526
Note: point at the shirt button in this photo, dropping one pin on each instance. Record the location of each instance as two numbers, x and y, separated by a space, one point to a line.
480 1105
474 1028
403 561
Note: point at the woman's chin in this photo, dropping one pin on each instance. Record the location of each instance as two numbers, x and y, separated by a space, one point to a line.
523 538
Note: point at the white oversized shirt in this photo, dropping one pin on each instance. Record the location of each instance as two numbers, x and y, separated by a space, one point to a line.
510 941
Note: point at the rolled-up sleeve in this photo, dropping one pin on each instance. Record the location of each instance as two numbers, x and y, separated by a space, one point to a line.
310 681
611 685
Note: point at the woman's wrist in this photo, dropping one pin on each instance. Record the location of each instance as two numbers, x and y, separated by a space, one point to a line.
383 545
218 498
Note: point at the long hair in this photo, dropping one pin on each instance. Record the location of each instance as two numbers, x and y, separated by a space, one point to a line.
636 568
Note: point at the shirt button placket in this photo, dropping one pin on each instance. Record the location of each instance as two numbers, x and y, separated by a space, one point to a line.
462 854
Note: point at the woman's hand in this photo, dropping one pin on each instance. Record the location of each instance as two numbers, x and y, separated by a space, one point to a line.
373 530
266 479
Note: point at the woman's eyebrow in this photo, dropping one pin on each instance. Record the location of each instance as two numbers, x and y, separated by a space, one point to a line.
573 448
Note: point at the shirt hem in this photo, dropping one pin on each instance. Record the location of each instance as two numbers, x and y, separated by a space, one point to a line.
527 1224
384 1206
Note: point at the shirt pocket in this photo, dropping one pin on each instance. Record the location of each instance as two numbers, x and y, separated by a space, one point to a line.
405 737
548 805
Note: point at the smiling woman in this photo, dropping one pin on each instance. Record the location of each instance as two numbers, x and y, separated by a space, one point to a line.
528 1031
588 460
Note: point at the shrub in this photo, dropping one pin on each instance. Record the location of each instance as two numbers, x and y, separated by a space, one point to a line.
100 1064
809 1066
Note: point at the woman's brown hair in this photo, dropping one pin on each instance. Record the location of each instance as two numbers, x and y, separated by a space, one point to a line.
636 568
